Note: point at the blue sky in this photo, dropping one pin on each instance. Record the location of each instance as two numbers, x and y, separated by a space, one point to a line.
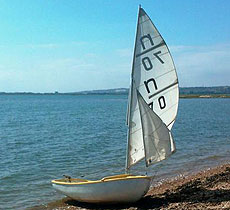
74 45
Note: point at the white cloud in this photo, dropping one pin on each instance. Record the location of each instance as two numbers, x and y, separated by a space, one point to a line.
125 52
203 65
76 64
85 68
45 46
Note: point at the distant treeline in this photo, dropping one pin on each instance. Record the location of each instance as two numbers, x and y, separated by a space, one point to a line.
218 90
205 90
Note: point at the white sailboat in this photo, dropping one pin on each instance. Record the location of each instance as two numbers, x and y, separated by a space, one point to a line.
152 109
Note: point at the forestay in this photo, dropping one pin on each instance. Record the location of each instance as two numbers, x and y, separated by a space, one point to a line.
154 76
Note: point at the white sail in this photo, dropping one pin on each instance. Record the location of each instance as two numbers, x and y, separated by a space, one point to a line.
158 141
154 76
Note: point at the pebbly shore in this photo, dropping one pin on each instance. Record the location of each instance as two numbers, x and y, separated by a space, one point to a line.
208 189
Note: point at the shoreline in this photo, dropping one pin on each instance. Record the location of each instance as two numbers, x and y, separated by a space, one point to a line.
204 96
183 96
208 188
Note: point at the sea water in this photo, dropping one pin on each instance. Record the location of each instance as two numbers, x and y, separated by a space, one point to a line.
43 137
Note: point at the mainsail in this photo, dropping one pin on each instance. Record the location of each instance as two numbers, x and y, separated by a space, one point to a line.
154 76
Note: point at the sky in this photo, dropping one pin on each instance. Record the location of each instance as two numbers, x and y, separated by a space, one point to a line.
76 45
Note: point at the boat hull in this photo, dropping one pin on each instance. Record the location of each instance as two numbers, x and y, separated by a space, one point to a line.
107 190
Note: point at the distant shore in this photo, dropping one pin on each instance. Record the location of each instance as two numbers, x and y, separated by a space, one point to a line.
118 93
208 189
185 92
206 96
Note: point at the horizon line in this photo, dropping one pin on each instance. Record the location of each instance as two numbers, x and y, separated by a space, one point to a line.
111 89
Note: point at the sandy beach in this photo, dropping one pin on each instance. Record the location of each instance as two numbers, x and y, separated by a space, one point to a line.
208 189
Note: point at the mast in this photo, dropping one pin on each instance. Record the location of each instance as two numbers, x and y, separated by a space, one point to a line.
130 97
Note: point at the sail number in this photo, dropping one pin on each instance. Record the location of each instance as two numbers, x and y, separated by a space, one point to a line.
161 99
146 61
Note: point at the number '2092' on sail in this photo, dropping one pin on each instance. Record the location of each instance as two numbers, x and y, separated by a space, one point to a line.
152 109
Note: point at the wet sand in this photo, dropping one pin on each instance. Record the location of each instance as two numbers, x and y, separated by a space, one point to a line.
209 189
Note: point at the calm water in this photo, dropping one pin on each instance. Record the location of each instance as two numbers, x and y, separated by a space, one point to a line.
44 137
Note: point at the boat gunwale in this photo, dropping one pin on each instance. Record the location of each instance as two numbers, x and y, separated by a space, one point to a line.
103 180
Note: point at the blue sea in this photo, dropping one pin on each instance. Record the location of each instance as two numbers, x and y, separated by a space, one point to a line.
43 137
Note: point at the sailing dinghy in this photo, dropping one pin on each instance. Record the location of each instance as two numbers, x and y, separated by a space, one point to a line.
152 109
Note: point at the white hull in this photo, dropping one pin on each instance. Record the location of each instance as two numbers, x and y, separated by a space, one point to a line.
115 189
